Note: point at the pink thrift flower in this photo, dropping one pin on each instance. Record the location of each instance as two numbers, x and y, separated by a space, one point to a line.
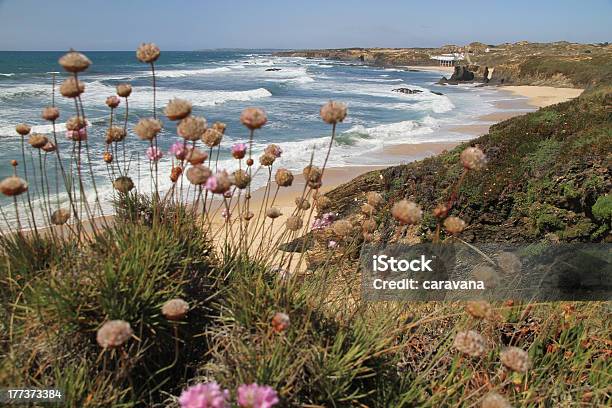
154 154
332 244
239 150
113 101
225 214
256 396
209 395
211 183
77 135
325 221
178 150
277 151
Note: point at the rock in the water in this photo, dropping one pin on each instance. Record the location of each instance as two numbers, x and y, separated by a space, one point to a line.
407 91
462 73
273 69
437 93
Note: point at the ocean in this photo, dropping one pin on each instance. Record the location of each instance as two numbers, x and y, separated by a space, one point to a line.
220 84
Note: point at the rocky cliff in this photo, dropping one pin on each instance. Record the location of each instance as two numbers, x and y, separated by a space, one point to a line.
522 63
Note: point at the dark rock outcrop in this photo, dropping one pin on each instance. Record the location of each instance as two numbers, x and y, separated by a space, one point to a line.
462 73
273 69
407 91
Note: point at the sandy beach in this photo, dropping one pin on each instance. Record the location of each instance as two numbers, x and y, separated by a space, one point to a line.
541 96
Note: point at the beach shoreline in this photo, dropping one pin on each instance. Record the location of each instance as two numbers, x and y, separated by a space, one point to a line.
530 98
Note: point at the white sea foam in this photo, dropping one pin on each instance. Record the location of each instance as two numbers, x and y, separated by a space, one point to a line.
171 73
399 132
7 75
141 97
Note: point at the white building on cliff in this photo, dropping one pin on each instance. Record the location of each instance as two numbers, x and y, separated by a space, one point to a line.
448 60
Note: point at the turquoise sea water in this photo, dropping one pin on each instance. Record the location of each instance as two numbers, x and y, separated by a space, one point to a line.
222 83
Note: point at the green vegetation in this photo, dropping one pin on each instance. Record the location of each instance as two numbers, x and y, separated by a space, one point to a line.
547 173
131 310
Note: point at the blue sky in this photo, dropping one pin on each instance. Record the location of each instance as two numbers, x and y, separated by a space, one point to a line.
191 24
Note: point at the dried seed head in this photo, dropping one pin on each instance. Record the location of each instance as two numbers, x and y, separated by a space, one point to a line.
219 183
60 216
147 53
494 400
454 225
113 101
267 159
440 212
470 343
178 109
248 216
191 128
253 118
486 274
23 129
37 141
241 179
515 359
333 112
302 203
107 157
71 88
367 209
219 127
124 90
342 228
473 158
312 175
374 199
75 123
114 333
115 134
49 147
407 212
196 156
479 309
123 184
323 203
148 128
50 113
283 177
212 137
369 226
175 309
197 174
175 173
13 186
273 212
274 150
74 61
280 322
249 162
294 223
509 262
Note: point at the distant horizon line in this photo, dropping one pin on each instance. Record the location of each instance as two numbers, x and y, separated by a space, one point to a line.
320 48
